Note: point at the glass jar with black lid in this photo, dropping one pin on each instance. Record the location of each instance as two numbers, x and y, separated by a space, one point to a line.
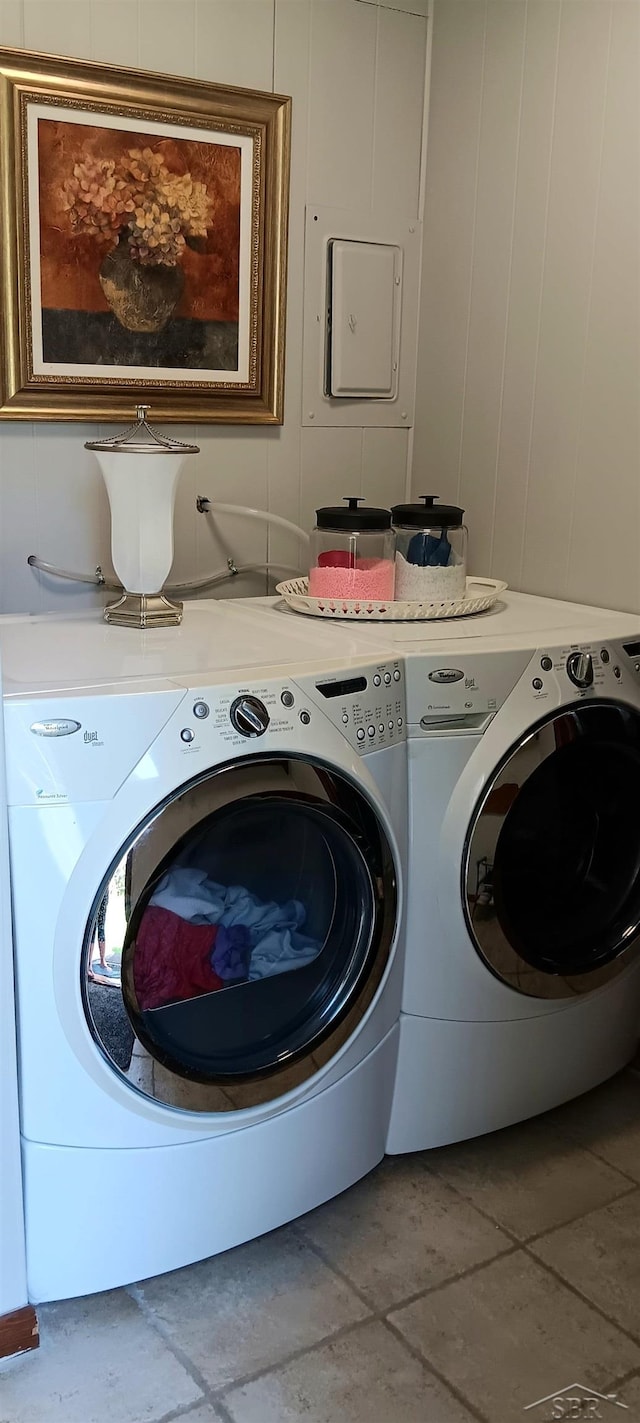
431 551
352 553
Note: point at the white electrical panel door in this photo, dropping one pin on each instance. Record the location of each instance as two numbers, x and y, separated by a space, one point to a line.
362 350
360 331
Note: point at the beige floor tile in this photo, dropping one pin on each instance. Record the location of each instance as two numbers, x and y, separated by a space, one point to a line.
629 1394
401 1230
606 1120
510 1334
599 1256
366 1377
98 1362
528 1178
252 1307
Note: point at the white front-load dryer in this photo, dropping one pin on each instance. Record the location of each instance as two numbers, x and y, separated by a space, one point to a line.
522 984
522 977
234 812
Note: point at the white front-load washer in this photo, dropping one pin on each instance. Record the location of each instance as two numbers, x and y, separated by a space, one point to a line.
522 963
233 811
13 1280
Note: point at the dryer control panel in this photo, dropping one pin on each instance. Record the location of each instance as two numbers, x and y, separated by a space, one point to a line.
586 669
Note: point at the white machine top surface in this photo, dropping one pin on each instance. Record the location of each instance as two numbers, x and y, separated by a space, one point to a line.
517 620
51 653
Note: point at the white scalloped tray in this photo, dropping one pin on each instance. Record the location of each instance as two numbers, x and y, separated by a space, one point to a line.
481 594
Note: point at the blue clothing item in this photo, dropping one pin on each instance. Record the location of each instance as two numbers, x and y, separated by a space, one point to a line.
282 950
429 552
272 929
231 953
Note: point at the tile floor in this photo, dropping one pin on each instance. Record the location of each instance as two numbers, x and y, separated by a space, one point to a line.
452 1285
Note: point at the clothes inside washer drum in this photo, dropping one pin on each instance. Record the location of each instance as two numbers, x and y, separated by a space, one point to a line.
112 1023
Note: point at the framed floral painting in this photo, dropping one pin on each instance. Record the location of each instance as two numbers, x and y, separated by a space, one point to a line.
143 260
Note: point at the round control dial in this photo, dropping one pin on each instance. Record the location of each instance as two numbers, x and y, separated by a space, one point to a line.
580 669
249 716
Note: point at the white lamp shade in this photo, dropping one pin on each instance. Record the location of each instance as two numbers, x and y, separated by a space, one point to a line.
142 494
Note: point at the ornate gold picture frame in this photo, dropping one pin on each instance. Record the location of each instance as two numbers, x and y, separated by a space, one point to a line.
144 243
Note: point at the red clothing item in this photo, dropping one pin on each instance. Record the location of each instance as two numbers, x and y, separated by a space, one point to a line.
172 959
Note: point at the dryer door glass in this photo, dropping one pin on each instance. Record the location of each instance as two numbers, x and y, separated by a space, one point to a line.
253 916
552 877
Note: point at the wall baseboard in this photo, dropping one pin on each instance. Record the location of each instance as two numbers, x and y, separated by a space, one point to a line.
19 1331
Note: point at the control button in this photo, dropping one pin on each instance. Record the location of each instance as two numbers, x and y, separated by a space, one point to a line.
201 710
387 678
371 731
546 664
617 673
377 680
187 734
360 733
345 718
604 655
580 669
381 728
637 667
396 675
390 726
537 684
305 717
249 716
287 698
400 721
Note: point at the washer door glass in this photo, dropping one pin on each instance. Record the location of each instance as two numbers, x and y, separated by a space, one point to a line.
241 935
552 872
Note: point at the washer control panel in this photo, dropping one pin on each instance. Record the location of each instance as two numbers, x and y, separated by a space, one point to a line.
367 704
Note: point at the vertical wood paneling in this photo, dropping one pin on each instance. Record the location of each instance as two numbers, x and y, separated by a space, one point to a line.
567 438
607 548
454 127
331 469
167 38
19 586
114 31
72 521
400 67
231 461
11 22
384 466
341 103
575 172
491 269
234 42
63 27
292 50
525 295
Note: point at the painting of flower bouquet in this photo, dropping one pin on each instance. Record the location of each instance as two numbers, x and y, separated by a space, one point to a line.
149 242
144 214
139 248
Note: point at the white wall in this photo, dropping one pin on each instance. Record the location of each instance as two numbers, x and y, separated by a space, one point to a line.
356 75
529 362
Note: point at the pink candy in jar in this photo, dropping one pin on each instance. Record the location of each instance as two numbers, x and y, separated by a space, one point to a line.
352 554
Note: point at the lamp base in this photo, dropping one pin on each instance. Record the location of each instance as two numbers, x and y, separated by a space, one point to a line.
143 610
